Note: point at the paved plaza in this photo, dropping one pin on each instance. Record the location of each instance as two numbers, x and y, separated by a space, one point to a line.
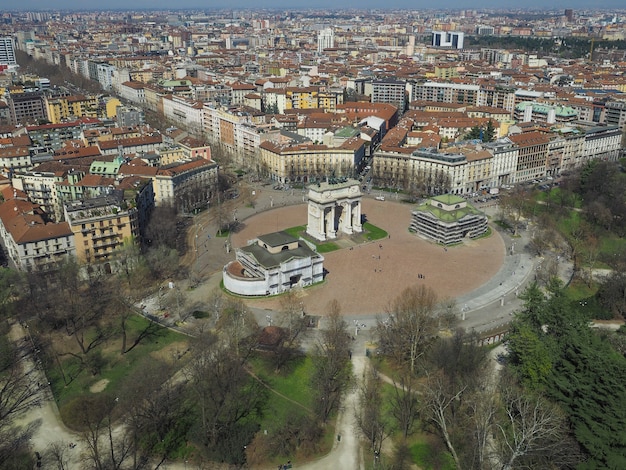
365 278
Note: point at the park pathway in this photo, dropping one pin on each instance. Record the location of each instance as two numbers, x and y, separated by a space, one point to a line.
345 454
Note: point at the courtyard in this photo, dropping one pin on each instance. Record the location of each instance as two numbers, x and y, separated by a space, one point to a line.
365 278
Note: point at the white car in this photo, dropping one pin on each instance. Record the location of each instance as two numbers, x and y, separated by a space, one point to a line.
380 198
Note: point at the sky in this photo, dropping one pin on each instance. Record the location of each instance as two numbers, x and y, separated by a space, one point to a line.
346 4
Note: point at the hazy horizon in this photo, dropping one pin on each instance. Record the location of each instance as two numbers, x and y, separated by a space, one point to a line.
30 5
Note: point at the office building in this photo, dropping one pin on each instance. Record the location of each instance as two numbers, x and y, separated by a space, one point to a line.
449 39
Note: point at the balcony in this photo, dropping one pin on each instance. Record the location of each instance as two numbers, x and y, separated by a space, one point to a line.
108 234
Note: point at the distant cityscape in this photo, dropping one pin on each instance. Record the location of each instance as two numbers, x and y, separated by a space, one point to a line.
105 115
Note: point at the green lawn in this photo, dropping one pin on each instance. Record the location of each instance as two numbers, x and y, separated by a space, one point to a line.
327 247
293 382
427 458
116 366
297 231
373 232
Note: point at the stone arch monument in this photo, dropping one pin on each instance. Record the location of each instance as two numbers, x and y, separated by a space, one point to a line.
334 207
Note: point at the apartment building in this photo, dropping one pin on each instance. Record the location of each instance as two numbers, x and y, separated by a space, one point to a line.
504 165
184 112
604 143
390 91
325 40
444 92
304 162
421 171
133 92
532 156
236 130
27 108
188 184
39 185
102 225
544 113
448 39
7 51
31 243
62 108
13 158
144 144
54 136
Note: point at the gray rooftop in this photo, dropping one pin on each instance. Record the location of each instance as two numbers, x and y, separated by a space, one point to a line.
269 260
277 238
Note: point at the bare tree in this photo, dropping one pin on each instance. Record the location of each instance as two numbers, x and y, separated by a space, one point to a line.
482 412
57 454
437 408
291 320
226 396
331 371
513 204
531 430
404 404
410 326
238 327
369 413
154 412
95 416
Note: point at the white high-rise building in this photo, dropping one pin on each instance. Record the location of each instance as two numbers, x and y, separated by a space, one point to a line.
449 39
325 39
7 52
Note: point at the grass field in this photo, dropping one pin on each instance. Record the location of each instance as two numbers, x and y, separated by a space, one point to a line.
373 232
115 366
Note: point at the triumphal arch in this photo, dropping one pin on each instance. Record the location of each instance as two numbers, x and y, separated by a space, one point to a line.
334 207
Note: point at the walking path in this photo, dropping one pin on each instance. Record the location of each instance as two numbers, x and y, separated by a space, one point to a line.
346 453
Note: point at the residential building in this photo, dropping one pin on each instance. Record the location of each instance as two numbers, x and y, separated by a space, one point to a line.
188 184
102 225
544 113
532 157
62 108
7 51
27 108
30 242
390 91
304 162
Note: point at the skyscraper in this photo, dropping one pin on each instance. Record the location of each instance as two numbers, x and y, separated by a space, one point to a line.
325 39
7 53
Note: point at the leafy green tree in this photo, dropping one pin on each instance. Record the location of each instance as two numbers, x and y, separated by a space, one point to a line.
490 132
554 350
